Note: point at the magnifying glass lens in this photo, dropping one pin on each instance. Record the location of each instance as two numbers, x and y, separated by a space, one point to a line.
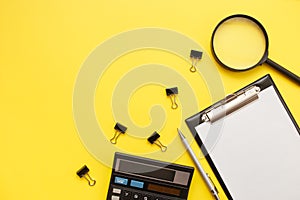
239 43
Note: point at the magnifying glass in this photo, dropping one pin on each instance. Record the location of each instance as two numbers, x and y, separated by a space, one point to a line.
240 42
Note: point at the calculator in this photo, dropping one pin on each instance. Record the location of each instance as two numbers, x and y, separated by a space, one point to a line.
138 178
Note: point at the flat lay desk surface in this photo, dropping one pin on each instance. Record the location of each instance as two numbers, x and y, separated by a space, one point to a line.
43 45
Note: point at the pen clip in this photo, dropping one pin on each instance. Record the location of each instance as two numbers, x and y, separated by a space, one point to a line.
212 183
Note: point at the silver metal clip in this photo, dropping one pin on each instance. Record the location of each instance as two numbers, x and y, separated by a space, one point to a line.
231 103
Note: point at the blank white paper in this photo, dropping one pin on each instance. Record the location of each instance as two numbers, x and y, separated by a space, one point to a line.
258 150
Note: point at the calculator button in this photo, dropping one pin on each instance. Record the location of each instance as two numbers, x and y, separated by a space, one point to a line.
137 184
121 181
126 195
159 198
113 197
147 197
136 196
116 191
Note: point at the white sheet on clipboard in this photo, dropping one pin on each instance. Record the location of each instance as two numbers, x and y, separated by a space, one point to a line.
258 151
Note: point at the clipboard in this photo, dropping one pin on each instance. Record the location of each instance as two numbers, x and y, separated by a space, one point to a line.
252 143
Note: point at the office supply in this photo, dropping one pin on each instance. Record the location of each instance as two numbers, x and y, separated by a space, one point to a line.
119 129
240 42
204 175
140 178
153 139
195 56
172 92
83 172
252 143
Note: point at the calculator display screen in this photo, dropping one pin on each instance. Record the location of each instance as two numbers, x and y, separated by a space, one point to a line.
163 189
146 170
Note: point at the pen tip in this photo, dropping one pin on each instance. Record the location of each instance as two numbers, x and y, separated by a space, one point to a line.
180 133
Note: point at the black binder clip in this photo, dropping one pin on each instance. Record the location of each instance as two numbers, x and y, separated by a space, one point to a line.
120 129
171 92
153 139
84 172
195 56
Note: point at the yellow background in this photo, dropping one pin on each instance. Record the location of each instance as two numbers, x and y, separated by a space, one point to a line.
42 47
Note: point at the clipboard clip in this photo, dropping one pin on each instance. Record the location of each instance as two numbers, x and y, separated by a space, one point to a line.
230 104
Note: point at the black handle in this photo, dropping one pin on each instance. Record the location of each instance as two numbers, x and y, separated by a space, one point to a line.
286 72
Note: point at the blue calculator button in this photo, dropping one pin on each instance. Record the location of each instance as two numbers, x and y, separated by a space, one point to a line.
121 181
137 184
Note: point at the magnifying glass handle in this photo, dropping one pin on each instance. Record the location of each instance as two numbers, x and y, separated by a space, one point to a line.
286 72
